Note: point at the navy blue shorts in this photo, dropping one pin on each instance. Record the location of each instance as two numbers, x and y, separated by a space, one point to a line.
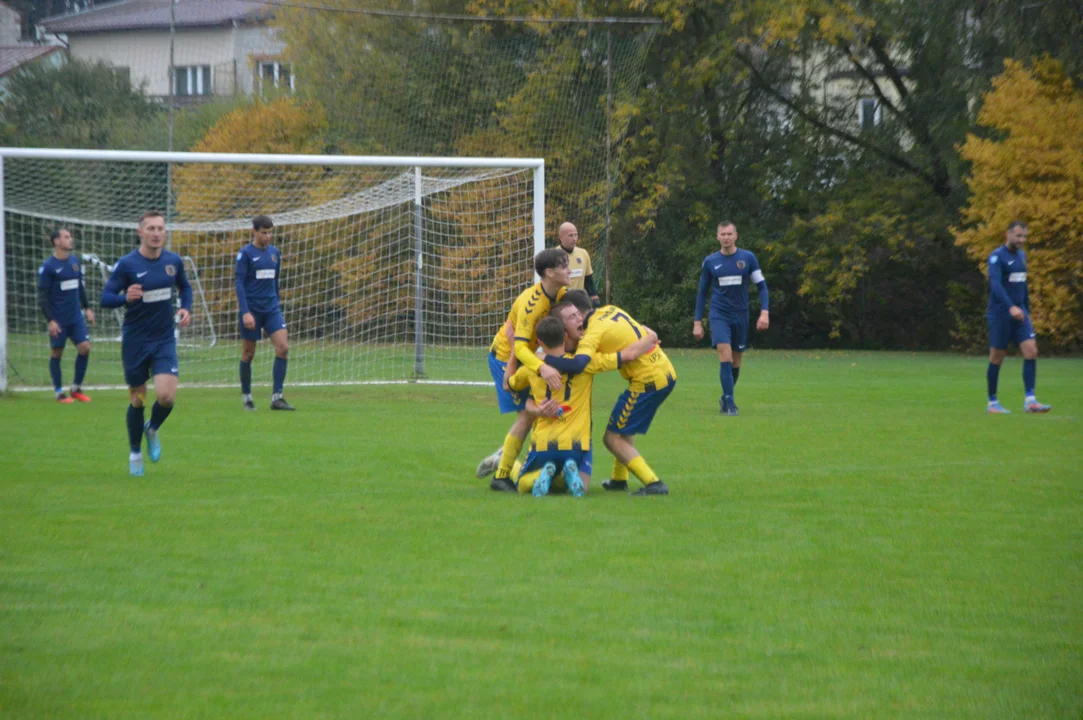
75 331
729 332
143 360
1004 330
507 400
634 411
271 322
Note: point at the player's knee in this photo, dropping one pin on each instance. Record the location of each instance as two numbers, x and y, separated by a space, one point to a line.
283 350
83 348
996 356
136 396
165 398
609 439
56 352
247 355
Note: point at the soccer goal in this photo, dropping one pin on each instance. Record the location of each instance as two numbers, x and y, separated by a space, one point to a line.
394 269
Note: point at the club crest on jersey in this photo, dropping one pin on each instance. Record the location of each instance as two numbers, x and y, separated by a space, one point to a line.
274 257
579 261
75 267
740 264
170 270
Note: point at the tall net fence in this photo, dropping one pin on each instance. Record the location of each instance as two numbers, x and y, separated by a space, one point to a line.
403 80
374 286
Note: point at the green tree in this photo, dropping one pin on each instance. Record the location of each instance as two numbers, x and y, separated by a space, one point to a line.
75 105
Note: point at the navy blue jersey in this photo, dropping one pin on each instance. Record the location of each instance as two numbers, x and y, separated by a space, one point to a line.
63 281
257 278
727 278
150 318
1007 281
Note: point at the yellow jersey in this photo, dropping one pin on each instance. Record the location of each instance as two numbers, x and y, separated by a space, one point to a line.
571 431
578 268
530 307
610 330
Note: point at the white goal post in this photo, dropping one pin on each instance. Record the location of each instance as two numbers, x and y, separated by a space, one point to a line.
394 269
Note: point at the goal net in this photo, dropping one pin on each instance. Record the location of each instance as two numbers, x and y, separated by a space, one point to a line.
393 269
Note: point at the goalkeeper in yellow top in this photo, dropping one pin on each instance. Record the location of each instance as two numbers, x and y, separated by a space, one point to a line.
651 379
551 266
560 443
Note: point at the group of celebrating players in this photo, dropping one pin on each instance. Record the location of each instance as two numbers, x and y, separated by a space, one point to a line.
549 389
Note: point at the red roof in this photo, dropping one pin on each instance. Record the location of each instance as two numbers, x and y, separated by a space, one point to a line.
13 57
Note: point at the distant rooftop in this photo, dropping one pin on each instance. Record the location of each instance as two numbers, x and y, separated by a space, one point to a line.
154 15
12 57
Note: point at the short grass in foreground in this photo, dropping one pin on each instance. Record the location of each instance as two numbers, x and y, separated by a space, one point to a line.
863 541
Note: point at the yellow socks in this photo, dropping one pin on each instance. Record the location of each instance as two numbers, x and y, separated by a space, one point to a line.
642 470
620 471
512 446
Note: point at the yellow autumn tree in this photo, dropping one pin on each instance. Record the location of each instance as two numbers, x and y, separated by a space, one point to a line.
335 257
1030 168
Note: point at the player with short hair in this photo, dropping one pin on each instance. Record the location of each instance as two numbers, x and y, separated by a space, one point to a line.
62 299
564 439
727 274
1008 316
580 272
551 265
651 380
256 277
143 282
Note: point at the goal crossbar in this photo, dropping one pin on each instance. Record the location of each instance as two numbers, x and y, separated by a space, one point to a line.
368 200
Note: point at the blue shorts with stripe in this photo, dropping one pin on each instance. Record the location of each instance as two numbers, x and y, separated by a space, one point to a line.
271 322
535 460
729 332
143 360
75 331
507 400
634 411
1004 330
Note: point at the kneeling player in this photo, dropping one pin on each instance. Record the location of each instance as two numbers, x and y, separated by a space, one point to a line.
565 457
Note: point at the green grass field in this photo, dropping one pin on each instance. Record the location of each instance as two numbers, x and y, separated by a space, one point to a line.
863 542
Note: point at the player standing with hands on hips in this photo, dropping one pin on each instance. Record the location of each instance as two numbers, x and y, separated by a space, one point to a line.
259 265
728 272
1008 316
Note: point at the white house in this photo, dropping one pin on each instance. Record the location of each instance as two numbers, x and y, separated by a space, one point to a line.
220 47
15 54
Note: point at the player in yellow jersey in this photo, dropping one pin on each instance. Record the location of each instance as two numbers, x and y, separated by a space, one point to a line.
560 445
651 379
534 303
580 271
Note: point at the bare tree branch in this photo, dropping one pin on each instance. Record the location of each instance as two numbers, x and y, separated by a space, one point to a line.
856 140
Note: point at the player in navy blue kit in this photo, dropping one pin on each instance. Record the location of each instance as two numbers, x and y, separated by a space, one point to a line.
143 281
1008 316
62 298
258 267
728 272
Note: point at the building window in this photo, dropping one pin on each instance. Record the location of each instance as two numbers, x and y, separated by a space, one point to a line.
193 80
274 74
868 113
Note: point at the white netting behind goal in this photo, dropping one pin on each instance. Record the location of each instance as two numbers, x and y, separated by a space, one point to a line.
358 305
